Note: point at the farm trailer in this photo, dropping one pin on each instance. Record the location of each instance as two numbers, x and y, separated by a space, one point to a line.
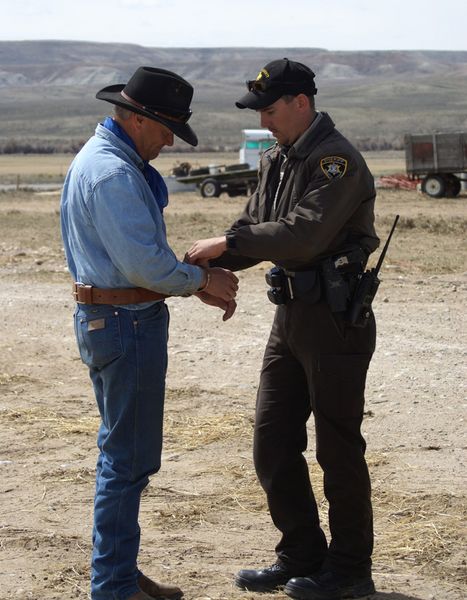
439 160
237 179
211 181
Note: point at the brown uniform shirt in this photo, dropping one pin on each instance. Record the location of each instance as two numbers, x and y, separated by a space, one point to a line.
323 205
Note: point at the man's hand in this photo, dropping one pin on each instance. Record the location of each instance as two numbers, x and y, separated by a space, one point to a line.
206 249
222 283
227 307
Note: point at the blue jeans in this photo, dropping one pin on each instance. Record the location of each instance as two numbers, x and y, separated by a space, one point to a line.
126 352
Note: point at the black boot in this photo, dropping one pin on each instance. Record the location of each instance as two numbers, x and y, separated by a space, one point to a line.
263 580
330 586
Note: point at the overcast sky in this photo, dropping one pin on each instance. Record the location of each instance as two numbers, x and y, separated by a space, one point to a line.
330 24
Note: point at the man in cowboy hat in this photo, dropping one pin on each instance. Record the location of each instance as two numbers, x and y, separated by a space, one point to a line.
312 215
123 268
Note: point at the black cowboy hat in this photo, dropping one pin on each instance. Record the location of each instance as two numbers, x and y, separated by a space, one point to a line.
159 95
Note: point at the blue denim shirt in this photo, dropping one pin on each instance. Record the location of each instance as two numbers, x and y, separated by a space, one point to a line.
113 231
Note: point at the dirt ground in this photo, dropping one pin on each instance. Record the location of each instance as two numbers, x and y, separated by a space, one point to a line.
203 516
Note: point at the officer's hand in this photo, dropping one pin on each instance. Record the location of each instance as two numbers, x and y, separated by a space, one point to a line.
206 249
202 262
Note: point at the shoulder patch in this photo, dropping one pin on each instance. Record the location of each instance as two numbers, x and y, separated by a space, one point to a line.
334 167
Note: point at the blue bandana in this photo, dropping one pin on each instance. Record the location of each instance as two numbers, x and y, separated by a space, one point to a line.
153 177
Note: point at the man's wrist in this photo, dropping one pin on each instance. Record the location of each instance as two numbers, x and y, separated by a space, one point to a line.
206 280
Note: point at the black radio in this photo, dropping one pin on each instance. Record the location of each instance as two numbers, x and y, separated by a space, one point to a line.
277 281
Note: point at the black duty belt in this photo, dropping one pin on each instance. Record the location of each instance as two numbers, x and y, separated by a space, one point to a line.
293 285
332 277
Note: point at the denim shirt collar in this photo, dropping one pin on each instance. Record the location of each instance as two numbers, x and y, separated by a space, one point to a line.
105 133
120 139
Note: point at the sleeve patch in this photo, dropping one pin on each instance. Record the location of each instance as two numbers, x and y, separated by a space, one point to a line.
334 167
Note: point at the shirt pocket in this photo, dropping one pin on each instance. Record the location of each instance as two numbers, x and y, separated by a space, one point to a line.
99 338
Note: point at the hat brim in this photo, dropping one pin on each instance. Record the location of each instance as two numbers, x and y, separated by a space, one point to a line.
257 100
182 130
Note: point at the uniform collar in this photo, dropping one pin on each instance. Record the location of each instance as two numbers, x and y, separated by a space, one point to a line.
320 128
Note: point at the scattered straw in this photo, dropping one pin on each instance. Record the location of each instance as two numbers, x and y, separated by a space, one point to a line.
426 532
190 433
55 424
423 533
81 475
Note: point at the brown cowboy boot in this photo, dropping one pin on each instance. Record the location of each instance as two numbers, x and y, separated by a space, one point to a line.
158 591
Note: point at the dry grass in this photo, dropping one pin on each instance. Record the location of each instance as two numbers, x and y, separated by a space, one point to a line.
436 225
430 236
71 578
424 533
70 476
414 533
190 433
53 167
54 423
33 166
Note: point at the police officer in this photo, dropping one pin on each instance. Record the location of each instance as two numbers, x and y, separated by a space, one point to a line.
312 215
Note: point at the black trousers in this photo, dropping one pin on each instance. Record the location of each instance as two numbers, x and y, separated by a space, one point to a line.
314 363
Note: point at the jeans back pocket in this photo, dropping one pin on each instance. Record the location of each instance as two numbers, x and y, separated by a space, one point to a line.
98 335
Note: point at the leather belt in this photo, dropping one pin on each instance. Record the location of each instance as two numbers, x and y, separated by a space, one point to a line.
88 294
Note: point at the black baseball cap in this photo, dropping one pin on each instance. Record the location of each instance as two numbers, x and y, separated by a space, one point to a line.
278 78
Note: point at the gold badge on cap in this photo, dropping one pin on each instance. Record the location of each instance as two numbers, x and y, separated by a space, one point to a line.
334 167
261 74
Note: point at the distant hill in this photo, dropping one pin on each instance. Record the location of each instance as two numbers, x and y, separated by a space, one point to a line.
47 89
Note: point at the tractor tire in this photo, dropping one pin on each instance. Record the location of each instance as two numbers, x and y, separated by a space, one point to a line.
453 186
434 186
210 188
